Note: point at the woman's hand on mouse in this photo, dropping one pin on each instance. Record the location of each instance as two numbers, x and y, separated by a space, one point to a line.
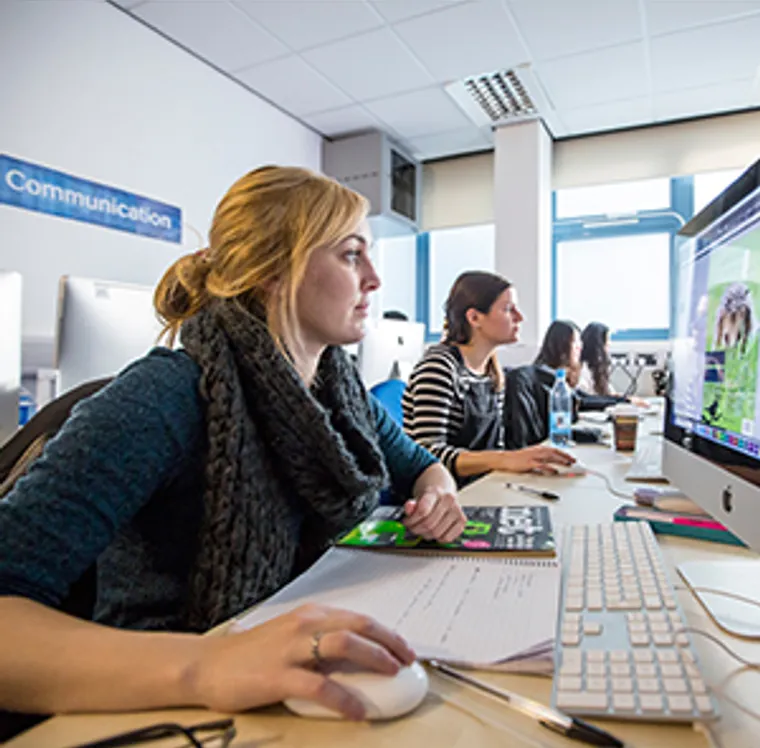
275 660
537 459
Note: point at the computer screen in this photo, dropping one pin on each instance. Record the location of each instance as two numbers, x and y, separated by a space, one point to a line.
102 326
390 349
713 414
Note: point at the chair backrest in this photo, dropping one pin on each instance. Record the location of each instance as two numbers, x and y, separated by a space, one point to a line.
389 393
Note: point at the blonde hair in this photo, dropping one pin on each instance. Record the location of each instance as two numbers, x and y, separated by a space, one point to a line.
262 235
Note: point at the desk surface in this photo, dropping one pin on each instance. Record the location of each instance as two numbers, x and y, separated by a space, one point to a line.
456 717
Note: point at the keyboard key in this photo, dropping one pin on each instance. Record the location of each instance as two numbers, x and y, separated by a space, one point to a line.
596 669
645 671
618 655
667 655
592 628
659 627
663 640
595 655
639 640
670 671
579 700
675 685
622 685
570 639
623 702
680 704
650 702
697 686
620 669
569 683
649 685
682 640
596 684
571 668
643 655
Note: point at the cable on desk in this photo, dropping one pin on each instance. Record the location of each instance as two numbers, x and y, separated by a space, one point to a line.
610 487
726 593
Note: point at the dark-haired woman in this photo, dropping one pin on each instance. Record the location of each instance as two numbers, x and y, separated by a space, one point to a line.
526 415
454 402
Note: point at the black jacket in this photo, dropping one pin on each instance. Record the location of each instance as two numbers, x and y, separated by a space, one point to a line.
526 404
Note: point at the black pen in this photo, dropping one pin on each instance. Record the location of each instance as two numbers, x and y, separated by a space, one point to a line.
570 727
535 491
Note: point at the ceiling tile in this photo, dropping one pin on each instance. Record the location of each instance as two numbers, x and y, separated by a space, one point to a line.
692 102
294 85
419 112
463 140
341 121
712 54
397 10
464 40
607 116
308 24
664 16
606 75
575 27
369 65
218 32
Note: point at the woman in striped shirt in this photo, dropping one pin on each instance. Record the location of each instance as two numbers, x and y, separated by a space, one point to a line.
454 402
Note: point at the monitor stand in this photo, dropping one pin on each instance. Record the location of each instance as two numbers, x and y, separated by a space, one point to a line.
737 577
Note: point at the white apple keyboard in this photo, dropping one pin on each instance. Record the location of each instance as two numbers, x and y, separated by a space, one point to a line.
383 696
623 651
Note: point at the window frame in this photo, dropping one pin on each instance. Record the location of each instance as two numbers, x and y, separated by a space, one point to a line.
635 223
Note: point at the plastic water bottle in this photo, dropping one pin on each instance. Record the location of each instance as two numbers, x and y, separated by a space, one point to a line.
560 411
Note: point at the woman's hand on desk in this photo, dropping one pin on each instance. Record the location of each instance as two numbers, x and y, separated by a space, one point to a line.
537 459
435 515
275 660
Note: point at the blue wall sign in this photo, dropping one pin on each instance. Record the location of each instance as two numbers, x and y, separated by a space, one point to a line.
45 190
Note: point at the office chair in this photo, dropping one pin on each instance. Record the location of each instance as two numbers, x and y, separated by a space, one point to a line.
389 393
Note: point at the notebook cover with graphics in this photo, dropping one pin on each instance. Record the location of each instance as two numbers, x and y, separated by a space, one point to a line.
520 530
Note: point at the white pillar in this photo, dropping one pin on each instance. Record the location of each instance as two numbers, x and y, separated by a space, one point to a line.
523 217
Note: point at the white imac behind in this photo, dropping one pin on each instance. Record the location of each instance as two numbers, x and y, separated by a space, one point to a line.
102 327
390 349
712 420
10 352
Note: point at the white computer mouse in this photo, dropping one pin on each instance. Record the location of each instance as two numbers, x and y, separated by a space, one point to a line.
383 696
570 471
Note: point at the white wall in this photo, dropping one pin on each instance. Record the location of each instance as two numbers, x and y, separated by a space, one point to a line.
90 91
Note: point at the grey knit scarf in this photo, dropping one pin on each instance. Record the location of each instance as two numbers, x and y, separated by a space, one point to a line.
288 469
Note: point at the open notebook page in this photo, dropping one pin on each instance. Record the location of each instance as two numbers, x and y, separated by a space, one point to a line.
466 609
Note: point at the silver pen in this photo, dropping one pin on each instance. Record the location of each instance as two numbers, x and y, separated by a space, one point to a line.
570 727
534 491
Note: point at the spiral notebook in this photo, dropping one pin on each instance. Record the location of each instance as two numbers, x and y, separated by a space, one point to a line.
473 611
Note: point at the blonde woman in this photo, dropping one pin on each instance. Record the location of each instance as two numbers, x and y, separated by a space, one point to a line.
202 480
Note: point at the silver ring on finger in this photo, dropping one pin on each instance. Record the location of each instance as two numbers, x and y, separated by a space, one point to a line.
315 641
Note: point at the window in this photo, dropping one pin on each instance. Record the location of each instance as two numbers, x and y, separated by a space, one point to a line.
622 281
613 199
452 251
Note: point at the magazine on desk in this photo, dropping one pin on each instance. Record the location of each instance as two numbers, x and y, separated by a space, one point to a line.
484 611
518 530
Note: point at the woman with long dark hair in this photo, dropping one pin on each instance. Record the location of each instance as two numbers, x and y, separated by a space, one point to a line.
595 360
526 408
454 402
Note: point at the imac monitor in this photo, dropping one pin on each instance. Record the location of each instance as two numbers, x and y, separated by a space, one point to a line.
712 421
712 448
389 350
102 327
